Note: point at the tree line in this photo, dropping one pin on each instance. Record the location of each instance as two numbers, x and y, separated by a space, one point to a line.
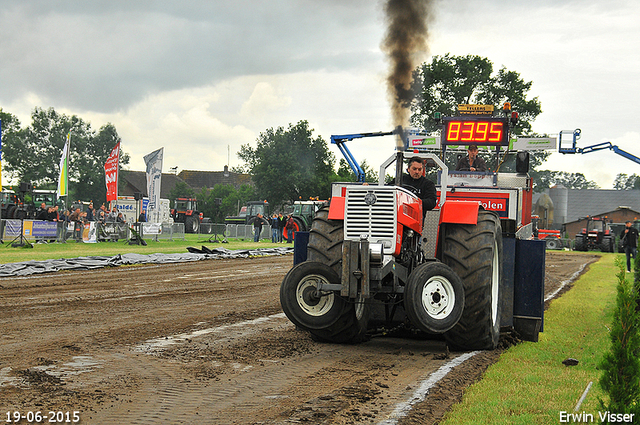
286 164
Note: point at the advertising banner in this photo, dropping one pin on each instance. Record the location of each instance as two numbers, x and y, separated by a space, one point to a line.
89 232
111 173
31 229
63 178
153 162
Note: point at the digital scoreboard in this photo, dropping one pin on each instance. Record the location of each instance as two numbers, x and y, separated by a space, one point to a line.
476 130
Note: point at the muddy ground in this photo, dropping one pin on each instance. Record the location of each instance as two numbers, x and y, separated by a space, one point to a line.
207 343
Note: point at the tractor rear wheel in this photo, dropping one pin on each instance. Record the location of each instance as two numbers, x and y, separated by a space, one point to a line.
298 226
580 243
434 297
325 240
191 224
474 252
607 244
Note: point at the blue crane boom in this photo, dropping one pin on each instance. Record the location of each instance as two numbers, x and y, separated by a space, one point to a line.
593 148
340 140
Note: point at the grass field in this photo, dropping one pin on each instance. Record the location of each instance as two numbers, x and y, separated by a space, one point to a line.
529 384
9 254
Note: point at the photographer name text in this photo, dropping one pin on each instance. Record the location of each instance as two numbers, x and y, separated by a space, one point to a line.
603 417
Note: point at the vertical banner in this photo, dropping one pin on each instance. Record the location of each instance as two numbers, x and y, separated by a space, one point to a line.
111 173
153 162
63 178
0 155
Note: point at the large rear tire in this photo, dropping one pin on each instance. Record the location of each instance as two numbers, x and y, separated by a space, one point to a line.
325 240
580 243
474 252
434 297
191 224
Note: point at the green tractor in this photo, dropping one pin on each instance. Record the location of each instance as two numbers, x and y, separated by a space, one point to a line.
303 214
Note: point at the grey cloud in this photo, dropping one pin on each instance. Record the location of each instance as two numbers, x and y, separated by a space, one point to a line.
103 57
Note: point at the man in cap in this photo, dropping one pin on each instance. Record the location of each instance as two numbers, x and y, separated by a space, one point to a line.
471 162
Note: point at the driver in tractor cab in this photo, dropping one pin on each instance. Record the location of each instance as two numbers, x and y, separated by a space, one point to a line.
471 162
421 186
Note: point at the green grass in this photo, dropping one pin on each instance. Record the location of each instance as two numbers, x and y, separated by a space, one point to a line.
529 384
71 249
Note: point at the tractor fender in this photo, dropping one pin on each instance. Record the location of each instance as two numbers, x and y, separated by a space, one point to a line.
461 212
336 208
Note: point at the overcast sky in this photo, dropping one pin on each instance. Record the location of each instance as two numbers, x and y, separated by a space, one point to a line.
202 77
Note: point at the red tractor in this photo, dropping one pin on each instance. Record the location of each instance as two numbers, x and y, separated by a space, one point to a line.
595 236
186 211
467 269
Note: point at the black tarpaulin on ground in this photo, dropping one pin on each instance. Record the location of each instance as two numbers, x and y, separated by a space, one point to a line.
27 268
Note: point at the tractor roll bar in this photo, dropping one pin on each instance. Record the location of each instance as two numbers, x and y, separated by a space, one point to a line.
399 160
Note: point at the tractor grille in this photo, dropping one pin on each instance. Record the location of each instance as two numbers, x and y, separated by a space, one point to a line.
371 213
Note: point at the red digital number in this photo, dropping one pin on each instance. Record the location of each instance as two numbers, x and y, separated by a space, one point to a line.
454 131
495 134
475 131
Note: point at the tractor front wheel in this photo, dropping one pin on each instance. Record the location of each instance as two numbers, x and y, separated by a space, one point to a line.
302 301
434 297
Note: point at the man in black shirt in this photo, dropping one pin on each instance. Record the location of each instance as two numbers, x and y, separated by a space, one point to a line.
629 238
421 186
471 162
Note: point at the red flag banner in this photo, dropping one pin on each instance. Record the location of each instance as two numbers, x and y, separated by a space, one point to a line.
111 173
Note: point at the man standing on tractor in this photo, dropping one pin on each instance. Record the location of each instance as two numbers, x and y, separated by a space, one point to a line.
629 239
421 186
471 162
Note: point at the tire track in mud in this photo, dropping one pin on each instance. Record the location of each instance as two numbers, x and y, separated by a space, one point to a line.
228 365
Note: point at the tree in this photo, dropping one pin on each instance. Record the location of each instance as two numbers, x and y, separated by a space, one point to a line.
546 179
626 182
449 81
32 154
289 164
452 80
181 190
620 366
230 200
346 174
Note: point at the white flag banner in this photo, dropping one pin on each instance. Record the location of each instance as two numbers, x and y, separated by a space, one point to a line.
153 161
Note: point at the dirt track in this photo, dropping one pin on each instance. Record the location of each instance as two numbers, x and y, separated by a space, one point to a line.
206 343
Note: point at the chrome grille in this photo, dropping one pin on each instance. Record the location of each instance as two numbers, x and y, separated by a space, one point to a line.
376 221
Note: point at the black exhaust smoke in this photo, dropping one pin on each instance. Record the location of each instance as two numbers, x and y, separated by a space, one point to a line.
406 46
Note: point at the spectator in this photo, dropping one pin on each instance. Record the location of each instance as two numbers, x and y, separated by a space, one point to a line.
76 217
629 239
101 218
143 216
274 228
52 214
43 212
291 228
120 218
257 221
91 213
113 215
281 223
62 228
